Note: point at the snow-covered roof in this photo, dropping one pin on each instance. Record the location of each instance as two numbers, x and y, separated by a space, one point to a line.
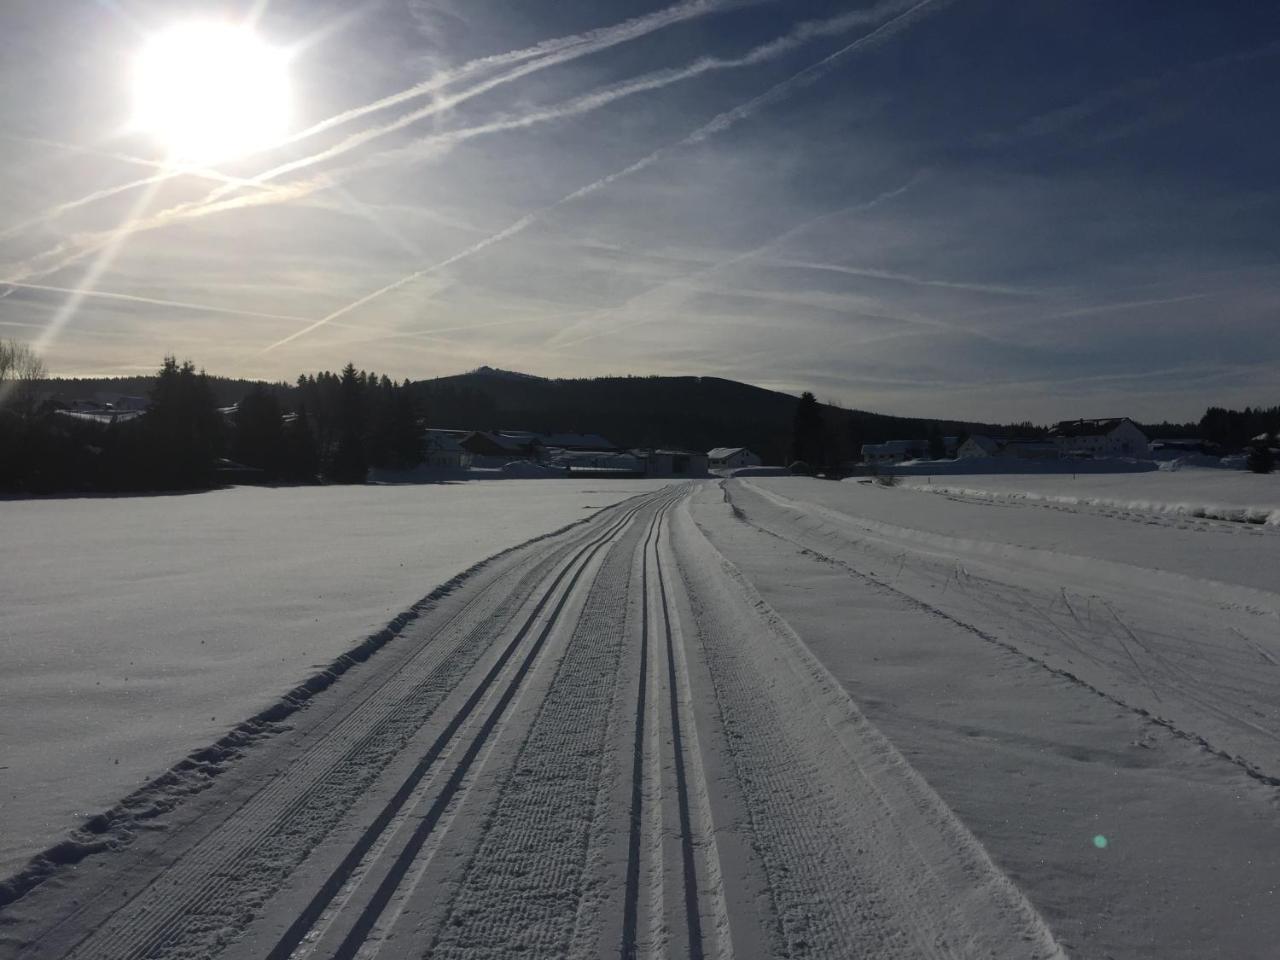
1087 428
444 441
587 441
724 453
102 416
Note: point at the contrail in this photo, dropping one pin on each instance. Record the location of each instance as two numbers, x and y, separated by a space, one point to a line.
732 261
66 253
908 279
96 269
166 172
579 44
552 52
717 124
153 301
801 35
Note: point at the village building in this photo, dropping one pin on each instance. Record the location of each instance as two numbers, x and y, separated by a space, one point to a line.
729 458
894 451
1096 439
978 446
443 449
493 449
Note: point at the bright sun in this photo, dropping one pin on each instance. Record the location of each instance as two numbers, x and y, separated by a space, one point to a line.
210 92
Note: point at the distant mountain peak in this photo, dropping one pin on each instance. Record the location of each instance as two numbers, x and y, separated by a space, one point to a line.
487 371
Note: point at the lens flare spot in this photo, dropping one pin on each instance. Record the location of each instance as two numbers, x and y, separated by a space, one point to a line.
1100 842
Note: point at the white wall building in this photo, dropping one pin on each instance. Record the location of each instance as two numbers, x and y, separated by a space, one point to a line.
728 458
1096 439
978 446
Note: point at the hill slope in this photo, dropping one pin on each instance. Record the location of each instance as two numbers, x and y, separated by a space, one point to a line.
693 412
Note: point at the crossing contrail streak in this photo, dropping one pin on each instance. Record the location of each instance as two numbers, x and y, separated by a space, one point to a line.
214 202
801 35
151 301
717 124
550 52
686 281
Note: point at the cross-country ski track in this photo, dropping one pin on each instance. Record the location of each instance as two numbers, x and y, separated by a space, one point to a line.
606 742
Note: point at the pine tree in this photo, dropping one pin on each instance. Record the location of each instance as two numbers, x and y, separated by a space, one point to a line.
259 440
350 462
806 432
302 456
1260 458
183 430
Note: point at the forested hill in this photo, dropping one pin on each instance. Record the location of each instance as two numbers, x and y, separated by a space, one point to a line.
697 413
226 391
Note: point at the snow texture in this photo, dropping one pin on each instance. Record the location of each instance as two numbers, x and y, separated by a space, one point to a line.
136 629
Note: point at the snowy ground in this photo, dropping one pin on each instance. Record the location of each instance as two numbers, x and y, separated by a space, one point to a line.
1189 492
135 629
749 718
1057 676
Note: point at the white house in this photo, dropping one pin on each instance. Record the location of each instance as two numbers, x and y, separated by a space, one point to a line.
443 448
728 458
894 451
1109 437
978 446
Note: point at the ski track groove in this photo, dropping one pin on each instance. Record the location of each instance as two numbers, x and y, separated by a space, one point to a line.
192 908
522 889
404 860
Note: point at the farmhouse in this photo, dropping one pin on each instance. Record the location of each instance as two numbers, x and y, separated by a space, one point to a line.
726 458
1108 437
495 449
978 446
444 449
894 451
675 463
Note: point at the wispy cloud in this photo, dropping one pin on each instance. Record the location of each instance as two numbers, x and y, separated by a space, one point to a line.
65 253
82 292
718 124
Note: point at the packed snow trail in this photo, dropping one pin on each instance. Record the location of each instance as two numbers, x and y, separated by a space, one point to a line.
604 743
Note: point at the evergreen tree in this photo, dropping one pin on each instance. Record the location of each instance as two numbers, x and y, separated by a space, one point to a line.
807 431
350 462
183 429
937 446
259 439
1260 458
302 456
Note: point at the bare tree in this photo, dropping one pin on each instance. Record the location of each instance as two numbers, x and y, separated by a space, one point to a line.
21 370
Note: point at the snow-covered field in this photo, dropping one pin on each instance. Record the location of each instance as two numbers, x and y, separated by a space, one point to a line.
754 717
1189 492
135 629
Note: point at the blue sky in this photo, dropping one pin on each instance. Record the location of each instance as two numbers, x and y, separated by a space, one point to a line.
995 210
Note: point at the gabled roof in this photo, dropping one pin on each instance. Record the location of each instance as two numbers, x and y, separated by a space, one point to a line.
581 441
444 441
1087 428
724 453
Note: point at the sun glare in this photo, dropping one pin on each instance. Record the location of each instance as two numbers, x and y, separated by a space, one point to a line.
210 92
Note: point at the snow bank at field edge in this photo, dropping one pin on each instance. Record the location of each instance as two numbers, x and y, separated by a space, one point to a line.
1268 516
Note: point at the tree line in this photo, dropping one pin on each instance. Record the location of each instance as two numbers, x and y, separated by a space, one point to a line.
341 424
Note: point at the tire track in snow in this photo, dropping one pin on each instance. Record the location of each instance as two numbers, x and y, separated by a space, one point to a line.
195 906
